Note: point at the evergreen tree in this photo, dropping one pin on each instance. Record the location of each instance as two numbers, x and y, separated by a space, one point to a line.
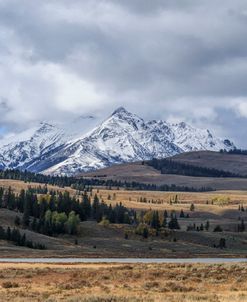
2 233
222 243
173 223
8 234
164 222
182 214
192 207
17 220
155 222
26 213
34 225
1 197
218 229
145 232
86 205
241 226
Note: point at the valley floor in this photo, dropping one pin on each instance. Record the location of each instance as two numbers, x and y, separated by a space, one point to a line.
109 242
123 282
97 240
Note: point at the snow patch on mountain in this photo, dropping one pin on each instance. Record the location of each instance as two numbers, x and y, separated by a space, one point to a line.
70 148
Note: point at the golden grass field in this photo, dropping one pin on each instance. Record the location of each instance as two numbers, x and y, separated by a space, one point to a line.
157 200
131 198
123 282
96 240
21 282
17 186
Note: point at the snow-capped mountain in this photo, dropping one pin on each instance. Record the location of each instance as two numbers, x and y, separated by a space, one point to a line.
70 148
24 149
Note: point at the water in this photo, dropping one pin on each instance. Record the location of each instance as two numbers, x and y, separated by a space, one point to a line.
123 260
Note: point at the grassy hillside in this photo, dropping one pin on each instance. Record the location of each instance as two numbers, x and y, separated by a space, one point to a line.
234 163
109 239
144 173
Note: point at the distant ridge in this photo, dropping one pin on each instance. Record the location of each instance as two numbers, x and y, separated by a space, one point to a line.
219 171
67 149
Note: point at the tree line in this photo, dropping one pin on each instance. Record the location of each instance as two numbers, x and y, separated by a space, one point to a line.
169 166
57 213
83 184
234 151
15 236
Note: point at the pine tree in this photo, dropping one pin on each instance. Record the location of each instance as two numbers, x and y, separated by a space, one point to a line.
23 240
95 206
86 205
26 214
218 229
34 224
164 222
1 196
241 226
145 232
155 221
192 207
17 220
8 234
173 223
111 214
182 214
222 243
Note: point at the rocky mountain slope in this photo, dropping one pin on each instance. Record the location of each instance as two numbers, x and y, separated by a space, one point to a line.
123 137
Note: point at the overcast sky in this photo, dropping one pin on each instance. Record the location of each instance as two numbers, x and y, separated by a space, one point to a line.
163 59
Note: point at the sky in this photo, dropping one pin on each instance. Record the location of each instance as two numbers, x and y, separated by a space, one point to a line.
177 60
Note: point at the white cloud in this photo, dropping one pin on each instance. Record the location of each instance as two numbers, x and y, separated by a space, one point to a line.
162 59
240 107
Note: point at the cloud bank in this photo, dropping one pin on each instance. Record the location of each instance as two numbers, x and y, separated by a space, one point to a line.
166 59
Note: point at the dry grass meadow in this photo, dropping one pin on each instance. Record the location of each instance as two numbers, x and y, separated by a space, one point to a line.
123 282
158 200
17 186
134 282
96 240
146 174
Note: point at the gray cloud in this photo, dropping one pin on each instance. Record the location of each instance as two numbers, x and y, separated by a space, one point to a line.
162 59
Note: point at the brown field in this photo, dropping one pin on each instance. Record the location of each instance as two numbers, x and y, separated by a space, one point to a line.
161 200
123 282
21 282
235 163
17 186
145 174
96 240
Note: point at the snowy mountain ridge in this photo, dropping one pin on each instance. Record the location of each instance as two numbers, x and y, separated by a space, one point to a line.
70 148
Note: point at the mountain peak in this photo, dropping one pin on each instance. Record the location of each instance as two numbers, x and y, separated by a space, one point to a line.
120 110
75 146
